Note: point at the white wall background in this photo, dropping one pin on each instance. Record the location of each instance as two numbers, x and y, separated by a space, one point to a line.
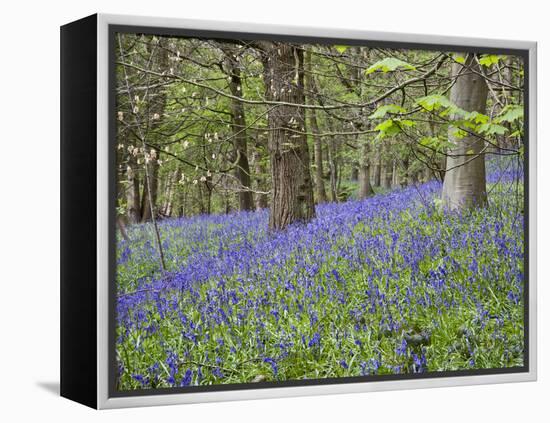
29 207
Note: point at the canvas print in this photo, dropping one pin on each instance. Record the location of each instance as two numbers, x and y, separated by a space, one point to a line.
290 211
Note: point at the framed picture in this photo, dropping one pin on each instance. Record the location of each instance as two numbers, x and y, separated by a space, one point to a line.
254 211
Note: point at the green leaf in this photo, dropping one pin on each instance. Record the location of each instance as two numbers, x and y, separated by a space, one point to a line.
429 141
389 64
459 133
434 102
488 60
492 129
510 114
384 126
459 58
384 110
476 117
387 128
407 122
341 49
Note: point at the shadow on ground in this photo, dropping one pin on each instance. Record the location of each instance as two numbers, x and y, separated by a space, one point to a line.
51 387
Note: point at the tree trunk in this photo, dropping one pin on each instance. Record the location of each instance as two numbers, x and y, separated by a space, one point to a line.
377 169
311 88
395 175
333 170
365 187
153 179
354 173
156 104
464 184
260 200
242 170
291 191
132 192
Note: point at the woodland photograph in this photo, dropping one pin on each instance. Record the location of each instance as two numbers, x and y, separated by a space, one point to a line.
294 211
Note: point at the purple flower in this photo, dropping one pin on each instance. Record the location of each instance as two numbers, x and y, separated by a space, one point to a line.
402 348
187 378
315 341
273 365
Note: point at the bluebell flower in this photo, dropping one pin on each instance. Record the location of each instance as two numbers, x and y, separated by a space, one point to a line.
273 365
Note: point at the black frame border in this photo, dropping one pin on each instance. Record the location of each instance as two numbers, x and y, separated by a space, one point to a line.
78 211
113 29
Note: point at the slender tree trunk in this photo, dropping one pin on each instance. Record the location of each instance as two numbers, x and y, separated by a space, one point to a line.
377 169
260 200
333 170
156 106
354 177
464 185
146 207
242 171
395 175
132 192
365 187
311 89
291 191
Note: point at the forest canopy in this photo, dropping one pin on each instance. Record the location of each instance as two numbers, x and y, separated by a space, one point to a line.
217 122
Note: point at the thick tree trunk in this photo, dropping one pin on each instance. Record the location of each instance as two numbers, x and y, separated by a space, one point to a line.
365 187
464 184
242 170
291 191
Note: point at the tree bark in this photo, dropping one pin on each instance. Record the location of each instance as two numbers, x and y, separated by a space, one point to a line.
464 185
311 89
242 170
156 105
365 187
292 191
132 191
377 169
147 207
260 200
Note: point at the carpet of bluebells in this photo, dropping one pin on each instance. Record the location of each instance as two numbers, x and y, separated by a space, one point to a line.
387 285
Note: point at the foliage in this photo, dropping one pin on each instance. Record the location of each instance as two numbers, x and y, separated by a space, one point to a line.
389 64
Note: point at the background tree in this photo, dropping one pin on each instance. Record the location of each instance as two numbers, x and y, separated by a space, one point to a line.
464 184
